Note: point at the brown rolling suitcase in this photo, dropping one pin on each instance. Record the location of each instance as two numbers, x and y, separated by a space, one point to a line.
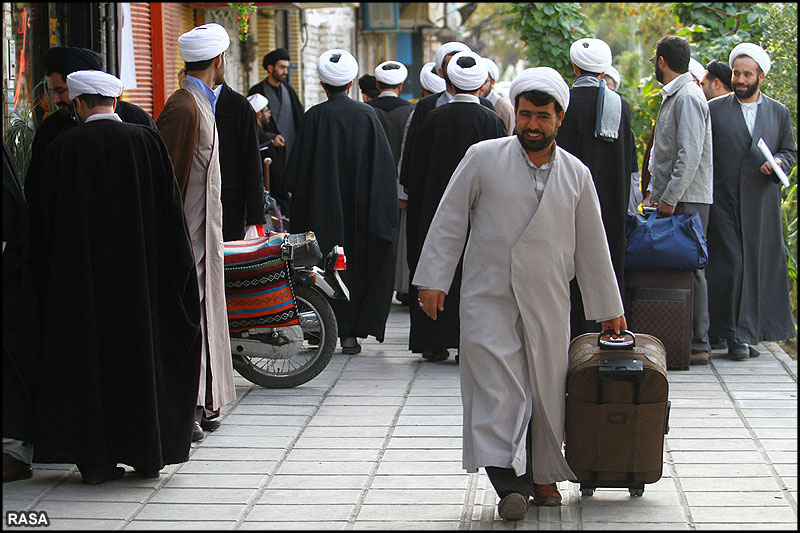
659 303
617 411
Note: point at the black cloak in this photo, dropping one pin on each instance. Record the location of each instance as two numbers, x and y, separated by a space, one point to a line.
444 137
393 113
240 164
344 189
119 304
611 166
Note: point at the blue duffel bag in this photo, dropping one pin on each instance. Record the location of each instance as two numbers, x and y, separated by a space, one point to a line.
673 243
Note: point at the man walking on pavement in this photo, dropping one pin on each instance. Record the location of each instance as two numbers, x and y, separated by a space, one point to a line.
747 271
286 117
681 164
187 125
515 290
344 189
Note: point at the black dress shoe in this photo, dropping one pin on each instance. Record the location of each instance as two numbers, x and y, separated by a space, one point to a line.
435 355
197 432
350 346
754 352
209 425
14 469
739 352
149 474
95 475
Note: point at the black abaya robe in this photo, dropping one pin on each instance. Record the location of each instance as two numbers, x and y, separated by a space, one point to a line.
611 166
444 137
343 182
119 305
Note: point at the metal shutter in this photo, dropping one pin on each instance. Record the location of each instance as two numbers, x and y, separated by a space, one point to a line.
142 50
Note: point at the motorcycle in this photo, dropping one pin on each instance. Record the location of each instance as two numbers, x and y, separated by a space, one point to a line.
288 343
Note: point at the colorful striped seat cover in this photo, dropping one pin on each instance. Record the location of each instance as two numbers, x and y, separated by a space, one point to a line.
258 288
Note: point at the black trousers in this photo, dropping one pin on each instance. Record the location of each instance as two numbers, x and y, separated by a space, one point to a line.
504 480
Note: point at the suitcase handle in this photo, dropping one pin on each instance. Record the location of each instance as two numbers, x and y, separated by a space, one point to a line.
611 370
618 344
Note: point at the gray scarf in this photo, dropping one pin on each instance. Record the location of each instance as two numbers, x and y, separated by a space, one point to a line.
609 107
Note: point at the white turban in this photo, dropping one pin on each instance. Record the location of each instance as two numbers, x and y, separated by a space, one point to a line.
391 73
543 79
203 42
467 71
429 80
447 49
614 75
258 101
696 69
337 67
494 70
591 55
754 52
93 82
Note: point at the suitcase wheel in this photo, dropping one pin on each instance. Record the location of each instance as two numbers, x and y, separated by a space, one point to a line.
587 492
636 492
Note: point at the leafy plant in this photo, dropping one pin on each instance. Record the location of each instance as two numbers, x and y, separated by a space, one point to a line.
548 30
789 209
243 12
21 129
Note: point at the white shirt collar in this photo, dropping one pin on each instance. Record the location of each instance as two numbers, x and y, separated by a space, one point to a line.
468 98
748 104
387 93
217 90
104 116
672 86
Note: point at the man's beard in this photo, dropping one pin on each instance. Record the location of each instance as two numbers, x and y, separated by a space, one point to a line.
659 75
536 146
743 93
65 110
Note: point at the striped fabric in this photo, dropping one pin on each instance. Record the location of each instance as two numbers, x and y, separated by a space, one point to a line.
258 288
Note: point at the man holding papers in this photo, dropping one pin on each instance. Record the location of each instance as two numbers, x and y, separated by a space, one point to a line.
746 272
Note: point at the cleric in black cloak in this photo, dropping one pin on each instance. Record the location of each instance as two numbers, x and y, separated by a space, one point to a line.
119 302
286 116
240 163
748 283
59 61
597 130
429 103
344 189
445 136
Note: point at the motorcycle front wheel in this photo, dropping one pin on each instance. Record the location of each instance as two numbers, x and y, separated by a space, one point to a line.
307 360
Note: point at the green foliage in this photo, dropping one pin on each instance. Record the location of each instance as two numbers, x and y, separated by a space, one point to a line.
20 132
488 34
780 42
789 209
548 30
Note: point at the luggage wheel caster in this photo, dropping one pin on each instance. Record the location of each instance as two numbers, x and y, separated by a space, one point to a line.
636 492
587 492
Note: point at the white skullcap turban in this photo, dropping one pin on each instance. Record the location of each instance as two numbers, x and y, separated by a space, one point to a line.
391 73
494 70
614 74
543 79
449 48
467 71
337 67
591 55
258 101
696 69
753 51
203 42
429 80
93 82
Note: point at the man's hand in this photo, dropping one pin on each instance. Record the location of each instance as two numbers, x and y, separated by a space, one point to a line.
430 300
647 201
617 324
766 168
664 209
402 204
279 140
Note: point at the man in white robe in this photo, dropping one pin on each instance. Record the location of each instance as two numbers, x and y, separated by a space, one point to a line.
515 301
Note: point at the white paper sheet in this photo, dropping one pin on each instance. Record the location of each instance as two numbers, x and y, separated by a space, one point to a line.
775 168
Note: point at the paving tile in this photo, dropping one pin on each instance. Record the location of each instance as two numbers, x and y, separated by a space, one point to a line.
202 481
188 525
421 467
707 444
290 526
186 511
697 395
203 496
707 433
335 455
295 405
429 420
267 420
779 445
700 403
238 430
345 431
745 515
299 513
442 512
641 526
414 496
791 482
711 422
82 524
721 526
441 400
634 510
435 392
340 442
237 454
86 509
702 470
433 410
726 484
399 481
422 454
358 420
427 431
787 384
773 498
774 422
319 467
417 443
715 457
228 467
357 410
700 412
783 457
385 525
787 469
96 493
310 496
364 400
318 481
765 395
775 433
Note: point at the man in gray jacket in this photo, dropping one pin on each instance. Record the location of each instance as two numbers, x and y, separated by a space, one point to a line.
681 165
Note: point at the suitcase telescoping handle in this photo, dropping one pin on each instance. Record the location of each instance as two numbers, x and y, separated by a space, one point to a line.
611 370
616 344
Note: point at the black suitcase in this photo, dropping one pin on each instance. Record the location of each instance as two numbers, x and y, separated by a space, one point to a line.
617 411
659 303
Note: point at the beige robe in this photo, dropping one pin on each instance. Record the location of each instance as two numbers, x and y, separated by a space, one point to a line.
504 108
519 260
200 182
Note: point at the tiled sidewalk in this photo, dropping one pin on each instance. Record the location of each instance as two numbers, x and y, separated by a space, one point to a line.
374 442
